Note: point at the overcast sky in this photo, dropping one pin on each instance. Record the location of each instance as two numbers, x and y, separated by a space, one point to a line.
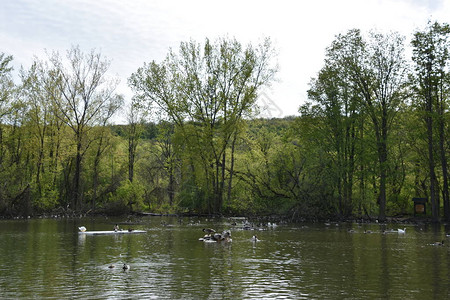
133 32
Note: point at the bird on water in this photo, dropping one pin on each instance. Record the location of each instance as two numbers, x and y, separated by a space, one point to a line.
208 230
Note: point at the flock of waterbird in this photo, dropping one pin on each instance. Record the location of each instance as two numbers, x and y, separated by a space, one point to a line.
399 231
211 236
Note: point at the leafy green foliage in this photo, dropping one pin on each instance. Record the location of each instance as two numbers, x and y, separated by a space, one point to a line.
360 146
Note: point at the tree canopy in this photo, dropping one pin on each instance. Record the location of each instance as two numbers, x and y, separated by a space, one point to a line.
372 135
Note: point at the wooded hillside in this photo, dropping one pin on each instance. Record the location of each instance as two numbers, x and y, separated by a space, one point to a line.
373 134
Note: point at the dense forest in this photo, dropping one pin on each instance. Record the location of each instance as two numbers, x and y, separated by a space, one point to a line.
372 135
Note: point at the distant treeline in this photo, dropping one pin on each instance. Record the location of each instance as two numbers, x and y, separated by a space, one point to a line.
373 134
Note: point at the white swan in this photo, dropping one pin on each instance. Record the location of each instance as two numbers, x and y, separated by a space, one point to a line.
401 230
82 228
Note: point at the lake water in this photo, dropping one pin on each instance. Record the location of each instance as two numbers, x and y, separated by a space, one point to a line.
48 258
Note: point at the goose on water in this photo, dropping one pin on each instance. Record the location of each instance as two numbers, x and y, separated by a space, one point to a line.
208 230
126 267
216 237
439 243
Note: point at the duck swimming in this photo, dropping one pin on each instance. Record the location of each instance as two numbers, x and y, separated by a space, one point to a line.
126 267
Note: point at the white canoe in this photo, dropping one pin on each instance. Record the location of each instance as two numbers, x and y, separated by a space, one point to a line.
111 232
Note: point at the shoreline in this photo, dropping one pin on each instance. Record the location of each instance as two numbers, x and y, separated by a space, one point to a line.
407 219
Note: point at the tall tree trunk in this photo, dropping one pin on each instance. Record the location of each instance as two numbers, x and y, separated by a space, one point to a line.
171 186
217 184
445 193
1 145
431 164
77 178
222 180
55 152
382 157
339 180
39 164
362 181
230 179
96 172
132 143
351 169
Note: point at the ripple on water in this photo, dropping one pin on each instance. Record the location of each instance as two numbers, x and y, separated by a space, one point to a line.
170 263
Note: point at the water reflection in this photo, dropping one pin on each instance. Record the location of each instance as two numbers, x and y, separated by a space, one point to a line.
49 259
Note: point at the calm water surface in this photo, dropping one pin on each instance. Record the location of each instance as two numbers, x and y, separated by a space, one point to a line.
46 258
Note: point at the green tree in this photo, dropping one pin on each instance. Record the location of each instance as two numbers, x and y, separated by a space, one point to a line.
340 110
84 98
167 157
38 117
206 91
377 70
135 119
6 90
431 55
